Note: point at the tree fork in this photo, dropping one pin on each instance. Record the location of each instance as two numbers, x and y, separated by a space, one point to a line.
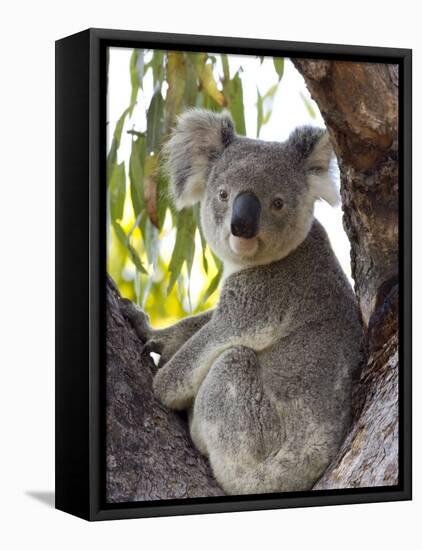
150 455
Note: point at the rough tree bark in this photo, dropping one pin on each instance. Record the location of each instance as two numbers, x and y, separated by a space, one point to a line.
359 103
149 452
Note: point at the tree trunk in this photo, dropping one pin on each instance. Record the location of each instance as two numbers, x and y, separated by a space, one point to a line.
359 103
149 452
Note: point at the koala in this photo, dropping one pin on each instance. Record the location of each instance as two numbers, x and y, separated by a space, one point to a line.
267 376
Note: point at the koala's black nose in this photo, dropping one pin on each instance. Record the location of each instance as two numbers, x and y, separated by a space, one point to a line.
245 215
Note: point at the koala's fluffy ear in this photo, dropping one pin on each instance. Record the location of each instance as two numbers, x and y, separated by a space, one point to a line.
199 137
315 153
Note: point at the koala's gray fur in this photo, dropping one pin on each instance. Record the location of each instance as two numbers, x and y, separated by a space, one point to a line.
267 375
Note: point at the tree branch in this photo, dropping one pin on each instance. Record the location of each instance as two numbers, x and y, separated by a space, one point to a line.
359 103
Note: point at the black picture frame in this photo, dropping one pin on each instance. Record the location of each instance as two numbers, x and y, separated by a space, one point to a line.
80 272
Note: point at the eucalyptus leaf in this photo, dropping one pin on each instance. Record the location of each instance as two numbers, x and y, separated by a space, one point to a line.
184 247
308 105
191 84
237 108
264 106
226 66
155 120
270 93
137 70
208 82
133 255
148 233
136 175
119 232
176 80
115 143
151 187
157 64
279 66
162 198
212 286
117 191
196 210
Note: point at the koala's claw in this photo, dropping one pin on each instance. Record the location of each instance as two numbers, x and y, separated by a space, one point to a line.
128 308
137 318
152 346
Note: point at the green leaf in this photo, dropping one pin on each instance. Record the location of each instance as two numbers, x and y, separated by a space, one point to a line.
237 108
308 105
176 80
270 93
149 234
136 68
196 210
268 100
157 64
115 144
184 247
151 187
212 286
207 81
209 103
117 136
218 263
279 66
136 175
120 233
135 224
162 198
191 87
233 95
133 255
226 67
117 191
264 106
155 122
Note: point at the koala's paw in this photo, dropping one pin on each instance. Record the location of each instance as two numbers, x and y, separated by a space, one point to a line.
154 345
137 318
167 391
160 386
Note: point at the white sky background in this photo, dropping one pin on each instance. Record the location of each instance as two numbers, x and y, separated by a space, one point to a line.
288 112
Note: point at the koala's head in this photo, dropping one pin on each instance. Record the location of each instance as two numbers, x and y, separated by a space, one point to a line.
257 198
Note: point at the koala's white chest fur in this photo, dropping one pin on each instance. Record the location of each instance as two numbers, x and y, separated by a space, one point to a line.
214 363
260 339
255 339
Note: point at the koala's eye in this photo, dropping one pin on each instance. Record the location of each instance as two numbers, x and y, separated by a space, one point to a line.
223 195
278 203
